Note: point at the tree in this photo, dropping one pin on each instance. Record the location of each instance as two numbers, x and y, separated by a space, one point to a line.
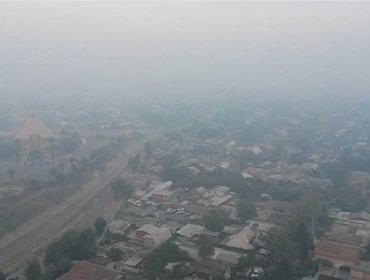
246 262
100 225
11 173
87 248
215 220
366 253
3 276
33 270
54 172
206 247
34 184
115 254
35 156
148 149
167 252
73 245
281 270
246 210
281 245
53 271
122 188
68 144
134 162
67 247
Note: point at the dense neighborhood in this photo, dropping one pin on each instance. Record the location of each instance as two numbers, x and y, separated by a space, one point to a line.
208 200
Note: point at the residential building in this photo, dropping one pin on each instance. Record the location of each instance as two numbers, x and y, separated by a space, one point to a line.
83 270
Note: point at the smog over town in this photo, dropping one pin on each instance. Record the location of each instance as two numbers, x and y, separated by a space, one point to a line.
196 140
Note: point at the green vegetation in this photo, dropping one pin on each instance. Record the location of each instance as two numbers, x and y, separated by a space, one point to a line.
203 130
323 262
9 151
67 145
252 134
99 226
250 188
3 276
206 247
118 141
134 162
291 246
246 262
33 270
11 173
115 254
366 253
157 260
246 210
280 270
109 237
215 220
73 245
122 188
343 195
148 149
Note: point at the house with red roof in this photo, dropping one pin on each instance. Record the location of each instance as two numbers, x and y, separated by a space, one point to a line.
84 270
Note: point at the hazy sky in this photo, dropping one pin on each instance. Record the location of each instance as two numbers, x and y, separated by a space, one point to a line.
187 49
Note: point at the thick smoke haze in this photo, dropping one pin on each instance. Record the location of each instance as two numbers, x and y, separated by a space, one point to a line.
184 49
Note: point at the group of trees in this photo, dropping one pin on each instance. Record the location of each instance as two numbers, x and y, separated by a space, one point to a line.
167 252
203 130
291 245
215 220
122 188
67 145
100 225
148 148
245 262
115 254
250 188
10 173
343 195
73 245
9 151
134 162
246 210
366 253
206 247
33 270
3 276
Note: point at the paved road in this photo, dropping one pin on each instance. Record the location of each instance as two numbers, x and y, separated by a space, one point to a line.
53 220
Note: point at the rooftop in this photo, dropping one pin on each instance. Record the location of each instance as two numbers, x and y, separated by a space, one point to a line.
191 230
160 236
133 261
226 256
337 251
83 270
240 240
34 126
148 229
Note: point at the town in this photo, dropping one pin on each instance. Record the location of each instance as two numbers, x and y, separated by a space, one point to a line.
213 199
184 140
